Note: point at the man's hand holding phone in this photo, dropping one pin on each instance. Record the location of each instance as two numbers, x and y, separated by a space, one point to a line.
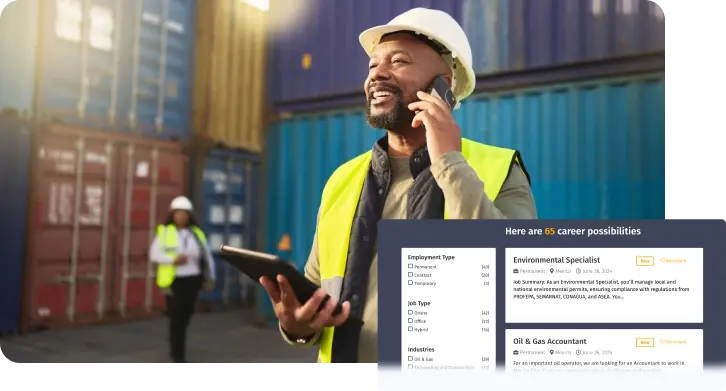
302 320
443 134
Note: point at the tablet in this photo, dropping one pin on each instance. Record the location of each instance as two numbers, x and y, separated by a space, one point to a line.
256 265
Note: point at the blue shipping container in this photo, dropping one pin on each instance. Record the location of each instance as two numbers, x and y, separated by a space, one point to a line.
324 60
318 54
482 20
594 150
114 64
543 33
302 153
226 194
15 152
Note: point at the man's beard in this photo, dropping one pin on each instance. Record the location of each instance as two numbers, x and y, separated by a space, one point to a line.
399 118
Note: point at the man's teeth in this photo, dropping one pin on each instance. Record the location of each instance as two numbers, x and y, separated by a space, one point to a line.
380 94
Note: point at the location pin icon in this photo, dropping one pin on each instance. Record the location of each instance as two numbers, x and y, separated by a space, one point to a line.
552 270
552 352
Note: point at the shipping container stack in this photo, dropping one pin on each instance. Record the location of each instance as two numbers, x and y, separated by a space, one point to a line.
225 183
229 91
97 123
577 86
104 118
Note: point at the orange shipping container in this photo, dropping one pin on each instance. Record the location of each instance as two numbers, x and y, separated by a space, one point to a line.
96 198
229 85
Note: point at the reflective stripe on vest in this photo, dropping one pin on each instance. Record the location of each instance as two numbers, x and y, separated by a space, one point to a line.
169 240
340 201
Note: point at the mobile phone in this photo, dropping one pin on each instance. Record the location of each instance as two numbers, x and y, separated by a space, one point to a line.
439 87
256 264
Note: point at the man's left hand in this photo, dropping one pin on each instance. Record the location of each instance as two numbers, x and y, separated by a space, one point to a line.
442 132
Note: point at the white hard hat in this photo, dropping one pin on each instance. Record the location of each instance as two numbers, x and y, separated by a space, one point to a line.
439 27
181 203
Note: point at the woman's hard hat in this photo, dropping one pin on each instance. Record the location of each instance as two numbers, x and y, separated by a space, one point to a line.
439 27
181 203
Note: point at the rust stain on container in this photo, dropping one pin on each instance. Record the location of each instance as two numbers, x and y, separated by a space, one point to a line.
96 199
229 87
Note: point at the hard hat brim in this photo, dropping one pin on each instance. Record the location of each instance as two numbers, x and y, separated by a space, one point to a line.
371 37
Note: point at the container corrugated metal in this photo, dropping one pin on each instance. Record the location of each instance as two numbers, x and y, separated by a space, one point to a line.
317 54
514 35
229 91
92 221
111 64
512 41
595 150
303 152
15 181
482 21
18 52
226 190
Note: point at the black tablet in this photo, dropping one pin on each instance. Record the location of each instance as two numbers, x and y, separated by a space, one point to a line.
256 265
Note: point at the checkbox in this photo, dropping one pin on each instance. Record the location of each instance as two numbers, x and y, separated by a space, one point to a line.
410 328
410 312
410 274
410 282
410 320
410 265
410 366
410 358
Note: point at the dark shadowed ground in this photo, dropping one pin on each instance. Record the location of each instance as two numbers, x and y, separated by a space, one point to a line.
227 337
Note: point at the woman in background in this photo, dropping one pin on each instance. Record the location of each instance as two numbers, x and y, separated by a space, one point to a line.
185 265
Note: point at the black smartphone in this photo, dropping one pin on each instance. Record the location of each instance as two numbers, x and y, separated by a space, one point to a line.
256 264
439 87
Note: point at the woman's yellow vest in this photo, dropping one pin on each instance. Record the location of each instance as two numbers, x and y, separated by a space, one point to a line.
340 200
168 237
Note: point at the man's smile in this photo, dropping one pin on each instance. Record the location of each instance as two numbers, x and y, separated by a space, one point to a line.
380 94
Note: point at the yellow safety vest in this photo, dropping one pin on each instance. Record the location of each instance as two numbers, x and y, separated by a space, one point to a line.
340 200
168 237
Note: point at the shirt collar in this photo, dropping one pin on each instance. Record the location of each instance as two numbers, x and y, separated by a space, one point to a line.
380 163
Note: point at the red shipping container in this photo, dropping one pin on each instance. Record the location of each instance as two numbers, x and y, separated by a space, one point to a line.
92 220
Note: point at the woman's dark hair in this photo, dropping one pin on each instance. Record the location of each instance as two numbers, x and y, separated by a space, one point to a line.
170 218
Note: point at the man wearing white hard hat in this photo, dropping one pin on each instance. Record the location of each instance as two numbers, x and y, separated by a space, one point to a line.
422 169
185 265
